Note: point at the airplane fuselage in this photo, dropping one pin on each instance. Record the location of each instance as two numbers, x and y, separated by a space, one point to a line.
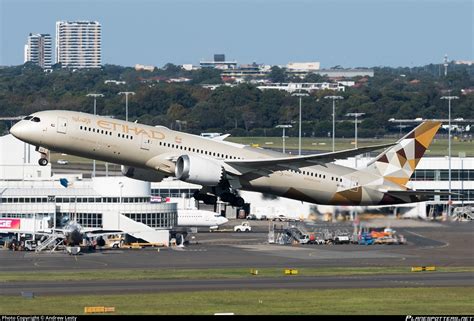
156 149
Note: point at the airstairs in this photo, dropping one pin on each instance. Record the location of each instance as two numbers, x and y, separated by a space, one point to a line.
288 235
52 242
463 214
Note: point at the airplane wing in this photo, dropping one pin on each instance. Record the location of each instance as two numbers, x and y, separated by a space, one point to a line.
250 165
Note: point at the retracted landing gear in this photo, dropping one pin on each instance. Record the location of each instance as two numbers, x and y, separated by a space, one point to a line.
44 159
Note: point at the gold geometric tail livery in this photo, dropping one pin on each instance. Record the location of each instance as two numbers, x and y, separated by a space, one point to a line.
398 163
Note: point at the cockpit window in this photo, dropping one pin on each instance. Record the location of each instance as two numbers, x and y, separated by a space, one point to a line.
27 117
35 119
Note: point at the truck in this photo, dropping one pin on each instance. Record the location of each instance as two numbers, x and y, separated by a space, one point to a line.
304 239
244 227
342 238
366 239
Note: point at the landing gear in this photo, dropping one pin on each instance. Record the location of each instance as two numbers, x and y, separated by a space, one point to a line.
210 199
238 202
43 161
232 199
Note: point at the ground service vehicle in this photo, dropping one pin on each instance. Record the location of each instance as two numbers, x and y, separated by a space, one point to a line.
342 238
244 227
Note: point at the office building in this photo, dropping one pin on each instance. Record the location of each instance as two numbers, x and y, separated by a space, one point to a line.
219 62
38 50
78 44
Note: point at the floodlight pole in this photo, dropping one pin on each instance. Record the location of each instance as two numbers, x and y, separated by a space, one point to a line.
283 137
449 98
126 93
95 113
299 131
356 115
333 117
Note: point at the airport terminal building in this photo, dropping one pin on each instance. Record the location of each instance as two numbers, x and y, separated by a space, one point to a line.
33 200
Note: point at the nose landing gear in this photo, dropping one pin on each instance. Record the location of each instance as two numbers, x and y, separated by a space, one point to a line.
44 160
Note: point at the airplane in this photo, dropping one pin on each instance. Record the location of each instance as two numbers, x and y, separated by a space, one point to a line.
200 218
222 168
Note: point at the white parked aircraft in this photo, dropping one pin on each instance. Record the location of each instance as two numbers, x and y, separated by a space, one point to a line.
222 168
200 218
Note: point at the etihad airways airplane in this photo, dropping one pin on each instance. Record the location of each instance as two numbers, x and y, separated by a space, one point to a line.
223 168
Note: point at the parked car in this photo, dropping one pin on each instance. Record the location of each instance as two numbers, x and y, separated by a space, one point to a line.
252 217
244 227
280 217
62 162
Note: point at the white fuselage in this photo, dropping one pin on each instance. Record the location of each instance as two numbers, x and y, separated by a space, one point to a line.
156 149
199 218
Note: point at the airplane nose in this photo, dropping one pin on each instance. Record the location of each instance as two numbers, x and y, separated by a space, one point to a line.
17 129
22 131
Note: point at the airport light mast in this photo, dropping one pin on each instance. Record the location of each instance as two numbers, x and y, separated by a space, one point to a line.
283 137
449 98
355 115
299 131
126 93
333 117
95 113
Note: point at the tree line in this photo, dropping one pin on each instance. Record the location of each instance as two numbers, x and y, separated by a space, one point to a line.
242 110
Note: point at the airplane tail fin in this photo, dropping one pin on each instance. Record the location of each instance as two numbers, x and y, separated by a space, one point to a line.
398 163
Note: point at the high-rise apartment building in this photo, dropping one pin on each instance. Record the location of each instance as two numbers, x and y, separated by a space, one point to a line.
78 44
38 50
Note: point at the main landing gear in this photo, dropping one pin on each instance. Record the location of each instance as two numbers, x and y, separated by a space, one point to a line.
232 199
43 161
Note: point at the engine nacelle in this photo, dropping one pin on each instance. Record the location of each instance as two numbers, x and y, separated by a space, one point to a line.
198 170
147 175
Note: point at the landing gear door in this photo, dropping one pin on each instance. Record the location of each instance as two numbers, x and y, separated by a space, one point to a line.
354 184
62 125
146 142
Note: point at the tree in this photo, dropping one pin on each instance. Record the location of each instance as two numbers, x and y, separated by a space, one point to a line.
277 74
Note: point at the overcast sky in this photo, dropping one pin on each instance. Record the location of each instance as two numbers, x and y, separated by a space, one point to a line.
335 32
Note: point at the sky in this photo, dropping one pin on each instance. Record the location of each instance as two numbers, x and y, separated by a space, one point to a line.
349 33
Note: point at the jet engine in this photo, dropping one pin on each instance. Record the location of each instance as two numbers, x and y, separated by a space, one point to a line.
147 175
198 170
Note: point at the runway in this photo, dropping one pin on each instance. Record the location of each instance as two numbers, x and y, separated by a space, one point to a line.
285 282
